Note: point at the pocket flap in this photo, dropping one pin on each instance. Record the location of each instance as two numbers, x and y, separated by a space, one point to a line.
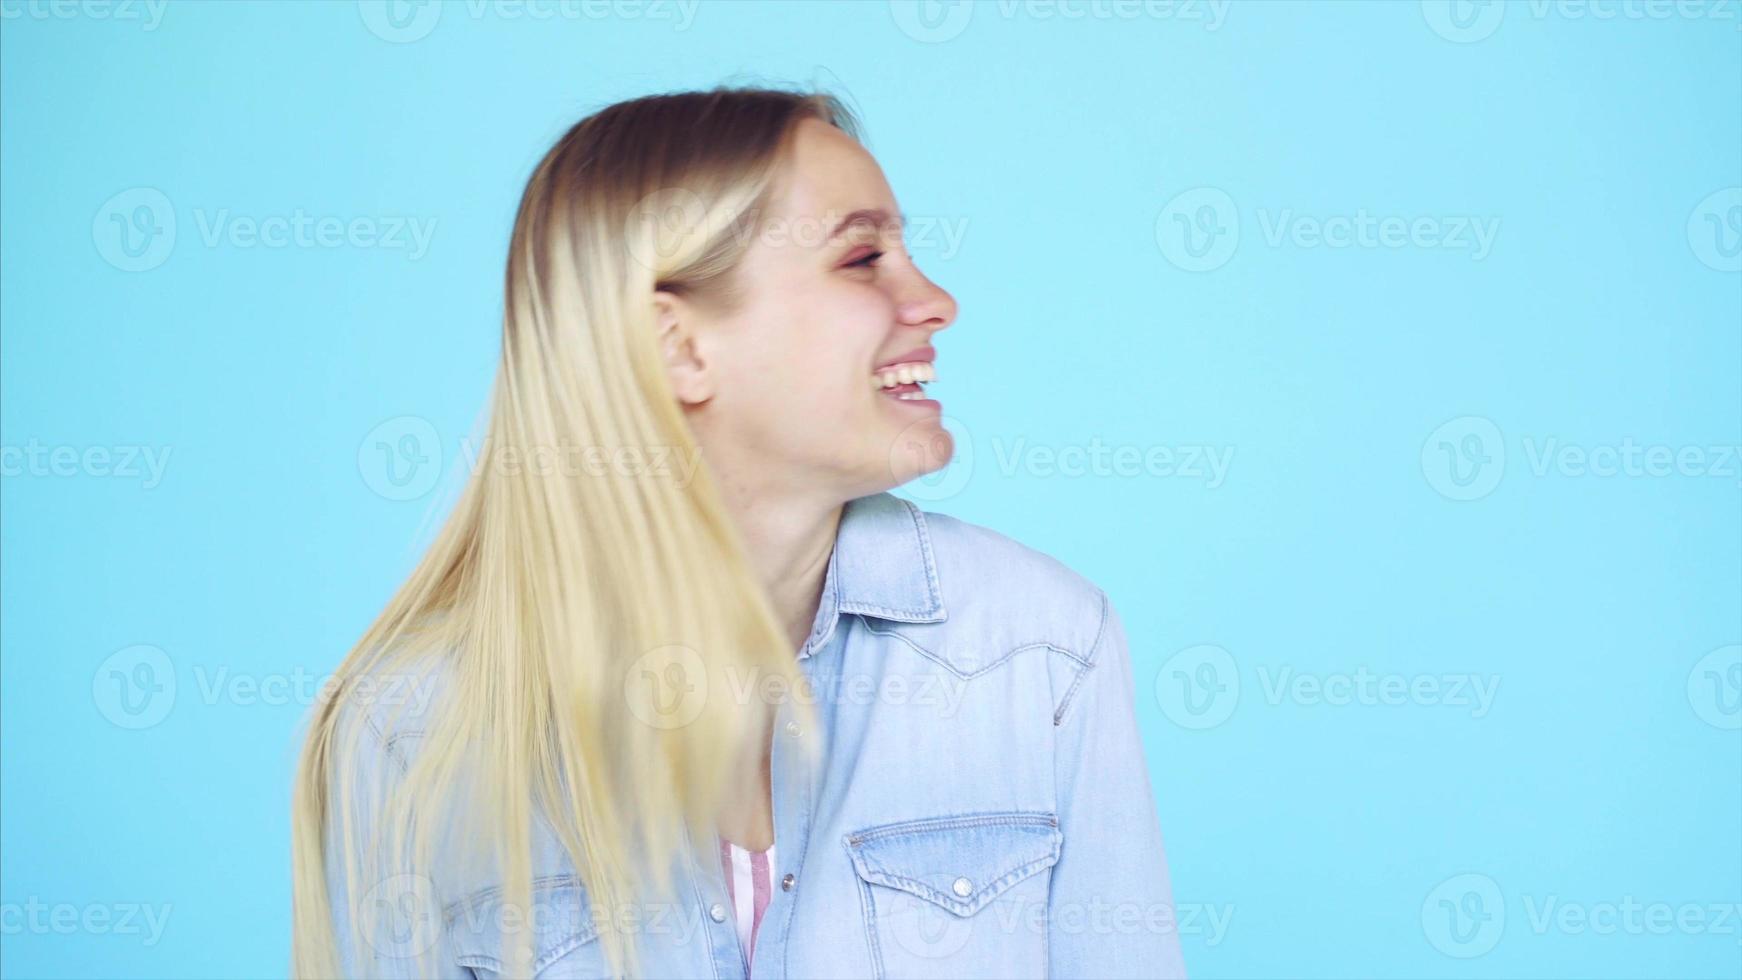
959 863
560 920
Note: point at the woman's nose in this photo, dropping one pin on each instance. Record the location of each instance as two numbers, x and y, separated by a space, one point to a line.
929 306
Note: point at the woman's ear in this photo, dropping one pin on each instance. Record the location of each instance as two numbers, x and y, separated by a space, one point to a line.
674 327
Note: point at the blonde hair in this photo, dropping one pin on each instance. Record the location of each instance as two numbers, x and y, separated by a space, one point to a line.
541 591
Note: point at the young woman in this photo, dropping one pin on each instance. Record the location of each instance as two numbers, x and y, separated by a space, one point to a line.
680 690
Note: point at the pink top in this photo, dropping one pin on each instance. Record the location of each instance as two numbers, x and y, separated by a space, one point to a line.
749 884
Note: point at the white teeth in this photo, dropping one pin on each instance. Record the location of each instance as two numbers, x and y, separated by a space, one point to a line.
901 374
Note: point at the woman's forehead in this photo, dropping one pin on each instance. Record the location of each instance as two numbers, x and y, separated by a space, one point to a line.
829 176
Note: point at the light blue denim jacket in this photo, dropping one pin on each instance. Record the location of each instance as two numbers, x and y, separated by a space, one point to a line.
983 811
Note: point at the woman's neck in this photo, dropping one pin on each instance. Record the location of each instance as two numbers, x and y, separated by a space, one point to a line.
789 542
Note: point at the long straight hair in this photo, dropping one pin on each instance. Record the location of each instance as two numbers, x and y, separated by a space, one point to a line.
544 595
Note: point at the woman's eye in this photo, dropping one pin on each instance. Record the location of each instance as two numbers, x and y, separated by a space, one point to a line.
866 262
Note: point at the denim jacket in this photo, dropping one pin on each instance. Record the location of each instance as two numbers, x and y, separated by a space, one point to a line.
983 810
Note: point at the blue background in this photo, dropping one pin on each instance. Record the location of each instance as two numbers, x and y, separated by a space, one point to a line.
1138 196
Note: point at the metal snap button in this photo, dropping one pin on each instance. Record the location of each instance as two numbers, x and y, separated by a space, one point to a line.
792 728
962 887
717 912
786 883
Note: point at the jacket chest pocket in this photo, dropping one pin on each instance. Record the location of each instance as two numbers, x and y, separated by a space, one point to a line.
957 896
559 924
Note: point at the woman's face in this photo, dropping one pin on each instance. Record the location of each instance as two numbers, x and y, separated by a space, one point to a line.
788 385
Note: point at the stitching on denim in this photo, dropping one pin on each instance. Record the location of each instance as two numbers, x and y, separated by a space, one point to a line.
570 941
952 668
931 570
1012 817
1058 717
1045 937
888 612
1073 657
1094 649
826 628
399 754
867 914
493 893
494 964
559 951
934 611
387 744
922 651
804 796
696 878
986 893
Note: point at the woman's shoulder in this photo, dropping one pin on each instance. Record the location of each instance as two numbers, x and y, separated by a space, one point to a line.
386 703
1000 587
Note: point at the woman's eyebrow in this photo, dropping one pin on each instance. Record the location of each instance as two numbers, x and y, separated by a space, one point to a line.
874 216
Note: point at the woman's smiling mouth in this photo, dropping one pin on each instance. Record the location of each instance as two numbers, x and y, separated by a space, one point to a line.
904 379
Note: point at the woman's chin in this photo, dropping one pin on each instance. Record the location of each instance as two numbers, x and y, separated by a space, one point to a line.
923 446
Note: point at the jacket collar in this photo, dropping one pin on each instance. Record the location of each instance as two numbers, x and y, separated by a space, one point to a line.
882 566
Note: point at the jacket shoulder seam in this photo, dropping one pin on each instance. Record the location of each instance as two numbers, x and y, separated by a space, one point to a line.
986 668
389 746
1058 716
